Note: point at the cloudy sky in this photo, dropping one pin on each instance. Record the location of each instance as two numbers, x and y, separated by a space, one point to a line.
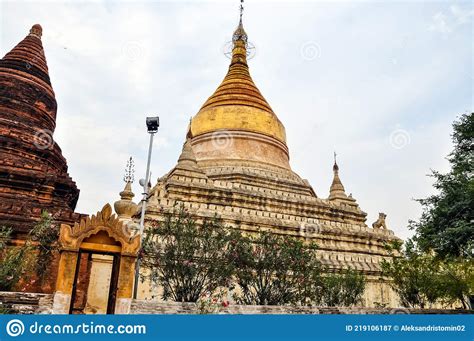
379 82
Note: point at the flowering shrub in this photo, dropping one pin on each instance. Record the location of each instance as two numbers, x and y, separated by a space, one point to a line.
212 303
188 259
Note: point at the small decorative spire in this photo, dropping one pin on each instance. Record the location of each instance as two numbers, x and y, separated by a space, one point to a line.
187 154
36 31
187 164
337 190
129 171
335 167
125 207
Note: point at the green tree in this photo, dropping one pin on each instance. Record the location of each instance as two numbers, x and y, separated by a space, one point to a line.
274 270
35 256
44 236
14 261
447 222
341 289
414 275
189 260
457 280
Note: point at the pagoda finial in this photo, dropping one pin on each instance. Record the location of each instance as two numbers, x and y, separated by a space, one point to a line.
239 41
125 207
335 168
337 190
129 171
239 33
36 31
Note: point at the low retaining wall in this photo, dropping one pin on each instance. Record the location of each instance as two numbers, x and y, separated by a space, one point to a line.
25 303
35 303
154 307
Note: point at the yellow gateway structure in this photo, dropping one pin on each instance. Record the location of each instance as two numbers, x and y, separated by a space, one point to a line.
235 163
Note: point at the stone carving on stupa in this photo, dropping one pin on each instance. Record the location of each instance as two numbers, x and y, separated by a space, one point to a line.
380 222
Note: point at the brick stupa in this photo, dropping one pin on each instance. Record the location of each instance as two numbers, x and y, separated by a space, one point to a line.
33 171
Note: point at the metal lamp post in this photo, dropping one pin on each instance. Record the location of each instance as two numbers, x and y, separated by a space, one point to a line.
152 124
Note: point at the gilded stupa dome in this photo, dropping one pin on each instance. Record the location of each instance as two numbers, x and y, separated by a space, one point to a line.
238 117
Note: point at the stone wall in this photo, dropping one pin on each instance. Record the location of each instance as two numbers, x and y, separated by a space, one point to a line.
25 303
35 303
154 307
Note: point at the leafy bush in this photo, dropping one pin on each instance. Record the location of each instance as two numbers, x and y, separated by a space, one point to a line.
21 262
44 236
422 278
187 259
275 270
341 289
14 261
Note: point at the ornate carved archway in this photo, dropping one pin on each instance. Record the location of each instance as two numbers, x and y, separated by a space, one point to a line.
101 233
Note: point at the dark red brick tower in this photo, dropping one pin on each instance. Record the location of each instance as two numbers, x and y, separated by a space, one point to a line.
33 171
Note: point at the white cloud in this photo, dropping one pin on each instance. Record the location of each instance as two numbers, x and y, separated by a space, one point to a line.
462 15
440 23
447 21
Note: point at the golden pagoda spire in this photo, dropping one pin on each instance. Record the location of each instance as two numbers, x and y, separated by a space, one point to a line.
237 104
238 87
239 115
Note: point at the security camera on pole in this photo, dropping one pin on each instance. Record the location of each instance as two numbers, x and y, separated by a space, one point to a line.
152 124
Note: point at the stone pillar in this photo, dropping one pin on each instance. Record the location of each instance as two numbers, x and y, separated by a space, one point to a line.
99 284
65 282
125 284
